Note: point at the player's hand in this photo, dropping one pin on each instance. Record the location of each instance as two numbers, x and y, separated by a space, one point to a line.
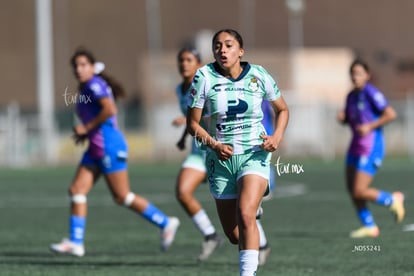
80 134
341 117
224 152
270 143
179 121
363 129
181 144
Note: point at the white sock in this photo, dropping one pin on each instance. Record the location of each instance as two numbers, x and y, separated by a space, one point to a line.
203 223
262 235
249 260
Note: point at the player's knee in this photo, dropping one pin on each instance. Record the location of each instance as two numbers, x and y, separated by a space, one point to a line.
358 194
78 198
126 200
182 194
247 218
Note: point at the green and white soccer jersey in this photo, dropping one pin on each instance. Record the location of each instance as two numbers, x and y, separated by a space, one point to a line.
233 106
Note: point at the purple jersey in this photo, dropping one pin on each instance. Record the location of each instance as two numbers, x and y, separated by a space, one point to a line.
88 107
362 107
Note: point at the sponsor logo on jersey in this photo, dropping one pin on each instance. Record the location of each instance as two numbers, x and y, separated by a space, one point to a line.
236 107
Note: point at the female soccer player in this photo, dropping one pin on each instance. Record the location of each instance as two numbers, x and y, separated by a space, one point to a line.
230 93
193 170
107 154
366 111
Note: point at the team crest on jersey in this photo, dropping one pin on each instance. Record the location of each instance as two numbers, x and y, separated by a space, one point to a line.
193 92
253 85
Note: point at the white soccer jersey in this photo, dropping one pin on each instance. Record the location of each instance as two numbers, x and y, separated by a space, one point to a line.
232 107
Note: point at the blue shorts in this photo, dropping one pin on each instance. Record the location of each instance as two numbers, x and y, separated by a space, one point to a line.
108 150
114 160
366 163
371 162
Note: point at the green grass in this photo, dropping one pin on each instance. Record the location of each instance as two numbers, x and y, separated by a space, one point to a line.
307 231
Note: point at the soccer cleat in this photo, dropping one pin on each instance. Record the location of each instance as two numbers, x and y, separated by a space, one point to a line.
66 247
397 206
264 252
168 233
208 247
365 232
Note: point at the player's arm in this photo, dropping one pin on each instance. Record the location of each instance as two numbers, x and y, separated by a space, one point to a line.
108 109
387 116
195 129
271 143
179 121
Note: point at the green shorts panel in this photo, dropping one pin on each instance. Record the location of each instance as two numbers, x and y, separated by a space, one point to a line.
223 175
195 161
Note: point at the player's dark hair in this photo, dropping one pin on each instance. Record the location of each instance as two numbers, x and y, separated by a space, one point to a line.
361 63
232 32
117 89
191 50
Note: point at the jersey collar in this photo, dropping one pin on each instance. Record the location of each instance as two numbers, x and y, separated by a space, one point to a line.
245 66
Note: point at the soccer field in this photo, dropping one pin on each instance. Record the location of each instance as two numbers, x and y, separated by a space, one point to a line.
307 225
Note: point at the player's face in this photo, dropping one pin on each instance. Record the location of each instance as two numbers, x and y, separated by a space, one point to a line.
227 51
84 70
359 76
187 65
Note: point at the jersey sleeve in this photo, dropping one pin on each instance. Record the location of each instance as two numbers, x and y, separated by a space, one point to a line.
197 95
377 99
99 89
271 89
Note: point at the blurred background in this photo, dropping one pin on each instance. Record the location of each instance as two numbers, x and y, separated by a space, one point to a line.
306 45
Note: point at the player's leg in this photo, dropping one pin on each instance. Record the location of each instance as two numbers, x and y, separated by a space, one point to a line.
264 247
118 183
83 182
188 180
366 168
226 210
251 190
369 228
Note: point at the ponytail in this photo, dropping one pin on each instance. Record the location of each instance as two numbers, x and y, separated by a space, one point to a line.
117 90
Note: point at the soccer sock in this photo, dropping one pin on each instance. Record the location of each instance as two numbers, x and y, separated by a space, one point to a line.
384 198
77 229
249 260
262 236
366 217
155 216
203 223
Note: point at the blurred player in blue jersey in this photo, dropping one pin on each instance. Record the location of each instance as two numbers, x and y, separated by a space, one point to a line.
193 170
228 93
269 125
107 155
366 112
